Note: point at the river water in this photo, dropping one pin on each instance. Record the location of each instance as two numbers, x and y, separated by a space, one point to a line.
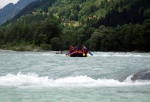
50 77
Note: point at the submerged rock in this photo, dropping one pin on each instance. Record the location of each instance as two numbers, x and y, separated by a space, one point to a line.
142 75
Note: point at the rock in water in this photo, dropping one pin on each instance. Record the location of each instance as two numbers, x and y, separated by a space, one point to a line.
142 75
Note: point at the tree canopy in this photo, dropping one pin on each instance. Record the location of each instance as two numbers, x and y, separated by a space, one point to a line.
101 25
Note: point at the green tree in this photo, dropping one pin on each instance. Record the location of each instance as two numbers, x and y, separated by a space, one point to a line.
56 44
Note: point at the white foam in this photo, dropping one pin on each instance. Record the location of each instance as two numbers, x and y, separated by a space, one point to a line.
128 79
48 54
119 54
33 80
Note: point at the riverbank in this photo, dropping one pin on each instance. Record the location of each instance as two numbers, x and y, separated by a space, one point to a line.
45 48
25 48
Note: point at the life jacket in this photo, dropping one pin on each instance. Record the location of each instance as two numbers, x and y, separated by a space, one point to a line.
84 50
71 49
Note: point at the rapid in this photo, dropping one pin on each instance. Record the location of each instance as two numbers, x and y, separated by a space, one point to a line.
51 77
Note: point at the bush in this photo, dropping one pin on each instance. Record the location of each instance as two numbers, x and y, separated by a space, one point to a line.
46 47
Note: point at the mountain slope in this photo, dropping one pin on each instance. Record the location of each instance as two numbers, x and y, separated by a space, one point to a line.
101 25
10 10
34 6
102 12
88 12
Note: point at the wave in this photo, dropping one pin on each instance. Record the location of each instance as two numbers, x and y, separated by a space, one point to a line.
33 80
119 54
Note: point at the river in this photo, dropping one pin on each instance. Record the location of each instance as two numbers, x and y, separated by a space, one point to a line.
50 77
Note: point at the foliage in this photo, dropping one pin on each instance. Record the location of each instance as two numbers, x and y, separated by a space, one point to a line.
37 33
128 37
101 25
56 44
46 47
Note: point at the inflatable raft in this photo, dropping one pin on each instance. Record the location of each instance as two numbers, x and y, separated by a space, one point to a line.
78 52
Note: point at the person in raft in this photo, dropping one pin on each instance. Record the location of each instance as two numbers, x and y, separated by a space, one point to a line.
83 49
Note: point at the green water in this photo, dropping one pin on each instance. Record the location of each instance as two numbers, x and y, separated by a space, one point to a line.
50 77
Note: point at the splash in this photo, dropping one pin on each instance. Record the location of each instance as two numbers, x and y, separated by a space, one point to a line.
128 79
33 80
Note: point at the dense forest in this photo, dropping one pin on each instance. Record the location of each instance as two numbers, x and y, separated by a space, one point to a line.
101 25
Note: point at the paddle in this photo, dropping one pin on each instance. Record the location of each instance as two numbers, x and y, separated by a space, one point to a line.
67 53
90 53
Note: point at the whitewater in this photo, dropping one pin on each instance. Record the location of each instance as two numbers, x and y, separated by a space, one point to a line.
51 77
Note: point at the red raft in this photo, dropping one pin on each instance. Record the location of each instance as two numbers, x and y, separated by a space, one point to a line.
77 52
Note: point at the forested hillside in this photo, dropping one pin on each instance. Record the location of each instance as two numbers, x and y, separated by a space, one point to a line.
106 12
101 25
